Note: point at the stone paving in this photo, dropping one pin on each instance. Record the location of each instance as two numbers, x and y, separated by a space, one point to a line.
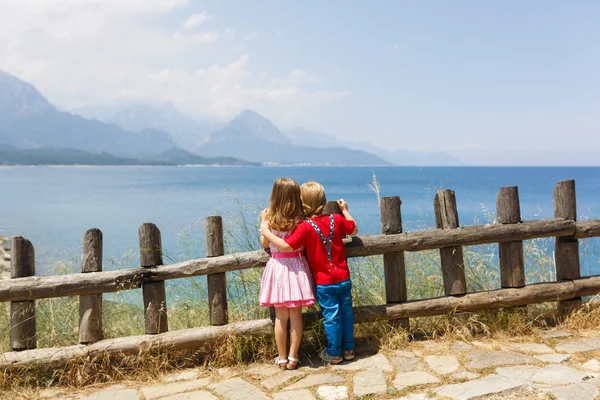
560 366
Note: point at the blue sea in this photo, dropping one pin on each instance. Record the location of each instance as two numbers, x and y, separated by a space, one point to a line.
54 206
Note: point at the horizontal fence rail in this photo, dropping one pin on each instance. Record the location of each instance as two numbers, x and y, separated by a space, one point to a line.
509 232
41 287
196 337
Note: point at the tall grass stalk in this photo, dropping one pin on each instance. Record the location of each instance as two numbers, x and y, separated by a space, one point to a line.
375 188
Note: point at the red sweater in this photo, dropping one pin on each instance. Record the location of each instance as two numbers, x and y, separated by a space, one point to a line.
316 254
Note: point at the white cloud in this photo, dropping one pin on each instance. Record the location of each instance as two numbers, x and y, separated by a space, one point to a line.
196 20
204 37
298 76
229 33
395 46
107 52
195 38
251 36
120 7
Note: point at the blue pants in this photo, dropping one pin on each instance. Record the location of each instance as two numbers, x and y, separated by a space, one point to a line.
335 301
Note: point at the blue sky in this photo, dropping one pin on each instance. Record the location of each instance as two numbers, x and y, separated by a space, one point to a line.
475 78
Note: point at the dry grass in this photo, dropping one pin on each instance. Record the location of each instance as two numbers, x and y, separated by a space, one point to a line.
498 327
145 367
587 317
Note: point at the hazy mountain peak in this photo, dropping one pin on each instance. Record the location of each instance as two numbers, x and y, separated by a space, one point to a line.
250 126
19 98
248 113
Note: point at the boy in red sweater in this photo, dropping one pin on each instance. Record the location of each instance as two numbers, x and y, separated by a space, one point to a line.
321 236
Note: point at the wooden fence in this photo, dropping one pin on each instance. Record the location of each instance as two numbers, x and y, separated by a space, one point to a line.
509 232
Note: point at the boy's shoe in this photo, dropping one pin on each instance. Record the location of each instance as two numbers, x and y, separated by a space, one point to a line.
348 355
329 359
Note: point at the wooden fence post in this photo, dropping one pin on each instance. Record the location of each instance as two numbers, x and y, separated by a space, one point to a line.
217 283
512 263
566 248
90 306
155 299
393 263
453 265
331 207
23 335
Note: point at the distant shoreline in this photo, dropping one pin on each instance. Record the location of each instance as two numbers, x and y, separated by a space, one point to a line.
282 165
121 166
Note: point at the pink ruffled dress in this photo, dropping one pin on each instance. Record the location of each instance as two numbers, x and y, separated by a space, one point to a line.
286 280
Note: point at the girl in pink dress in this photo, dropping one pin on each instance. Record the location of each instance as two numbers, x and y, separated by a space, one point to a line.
286 282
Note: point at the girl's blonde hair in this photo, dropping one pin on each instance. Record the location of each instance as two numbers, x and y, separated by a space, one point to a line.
285 205
313 199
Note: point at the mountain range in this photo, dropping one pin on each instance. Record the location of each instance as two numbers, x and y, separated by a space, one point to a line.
249 133
252 137
248 136
10 155
28 121
188 131
300 136
33 130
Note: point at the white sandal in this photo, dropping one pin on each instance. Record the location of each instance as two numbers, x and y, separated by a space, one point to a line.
281 363
292 360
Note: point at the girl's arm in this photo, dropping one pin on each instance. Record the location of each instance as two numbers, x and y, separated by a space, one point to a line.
271 237
264 242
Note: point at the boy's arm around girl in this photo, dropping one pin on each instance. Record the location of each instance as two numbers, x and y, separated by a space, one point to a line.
267 236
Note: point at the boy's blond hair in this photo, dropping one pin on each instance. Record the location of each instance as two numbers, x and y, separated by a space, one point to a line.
313 199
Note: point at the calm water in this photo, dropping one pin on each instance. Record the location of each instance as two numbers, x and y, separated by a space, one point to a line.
53 206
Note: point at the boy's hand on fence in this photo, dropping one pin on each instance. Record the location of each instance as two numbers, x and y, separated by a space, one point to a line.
263 215
343 205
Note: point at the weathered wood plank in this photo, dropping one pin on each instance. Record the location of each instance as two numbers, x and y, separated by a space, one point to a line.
20 289
217 283
90 306
566 249
155 307
565 203
332 207
23 332
155 298
465 236
493 299
508 207
22 313
512 264
196 337
512 261
587 229
453 264
168 341
393 263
